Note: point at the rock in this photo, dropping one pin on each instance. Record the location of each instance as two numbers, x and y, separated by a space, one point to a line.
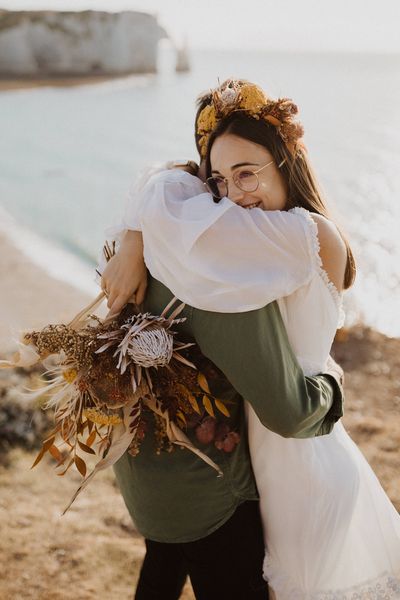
42 43
22 422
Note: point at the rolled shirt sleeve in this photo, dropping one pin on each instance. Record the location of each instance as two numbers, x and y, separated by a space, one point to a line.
253 351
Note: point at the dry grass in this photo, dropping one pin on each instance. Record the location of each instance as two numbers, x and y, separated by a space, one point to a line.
91 552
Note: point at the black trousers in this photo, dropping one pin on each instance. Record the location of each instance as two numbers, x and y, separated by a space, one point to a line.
225 564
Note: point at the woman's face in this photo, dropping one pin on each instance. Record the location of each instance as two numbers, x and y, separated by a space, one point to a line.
231 154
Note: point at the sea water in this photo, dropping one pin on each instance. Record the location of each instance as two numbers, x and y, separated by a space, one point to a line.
68 155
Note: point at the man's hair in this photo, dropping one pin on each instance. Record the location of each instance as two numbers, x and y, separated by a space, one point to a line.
201 102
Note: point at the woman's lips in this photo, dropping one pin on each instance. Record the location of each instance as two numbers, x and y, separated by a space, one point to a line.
252 205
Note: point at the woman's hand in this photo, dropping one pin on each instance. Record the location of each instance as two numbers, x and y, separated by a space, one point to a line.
125 277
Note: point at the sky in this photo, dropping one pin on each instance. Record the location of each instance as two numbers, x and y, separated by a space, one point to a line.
317 25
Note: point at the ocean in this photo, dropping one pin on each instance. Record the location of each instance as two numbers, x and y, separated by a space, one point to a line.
68 156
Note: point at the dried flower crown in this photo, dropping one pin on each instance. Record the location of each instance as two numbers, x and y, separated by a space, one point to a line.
249 98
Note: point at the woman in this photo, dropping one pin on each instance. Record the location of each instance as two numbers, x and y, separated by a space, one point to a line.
330 530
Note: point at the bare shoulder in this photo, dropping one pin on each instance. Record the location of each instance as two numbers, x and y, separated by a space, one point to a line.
333 251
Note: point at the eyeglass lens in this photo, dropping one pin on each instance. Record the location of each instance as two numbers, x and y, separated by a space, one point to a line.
247 181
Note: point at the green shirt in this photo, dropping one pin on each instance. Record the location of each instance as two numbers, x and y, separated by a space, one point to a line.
177 497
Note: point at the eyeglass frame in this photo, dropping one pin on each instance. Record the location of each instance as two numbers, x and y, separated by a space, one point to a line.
226 179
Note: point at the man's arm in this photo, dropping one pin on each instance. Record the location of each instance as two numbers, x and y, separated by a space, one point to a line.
253 351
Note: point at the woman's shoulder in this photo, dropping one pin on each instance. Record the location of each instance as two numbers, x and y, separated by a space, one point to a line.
332 250
327 245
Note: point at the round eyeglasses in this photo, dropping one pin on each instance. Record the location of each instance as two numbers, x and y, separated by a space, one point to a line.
244 179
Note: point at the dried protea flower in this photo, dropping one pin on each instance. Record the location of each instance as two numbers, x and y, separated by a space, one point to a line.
144 340
151 347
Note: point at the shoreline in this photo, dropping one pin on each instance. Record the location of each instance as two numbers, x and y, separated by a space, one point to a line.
33 296
27 83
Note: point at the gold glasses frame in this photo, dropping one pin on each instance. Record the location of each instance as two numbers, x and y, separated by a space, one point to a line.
234 178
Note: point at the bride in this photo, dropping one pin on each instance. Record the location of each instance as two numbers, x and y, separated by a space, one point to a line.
330 530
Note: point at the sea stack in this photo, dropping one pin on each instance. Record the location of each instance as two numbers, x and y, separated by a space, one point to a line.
182 59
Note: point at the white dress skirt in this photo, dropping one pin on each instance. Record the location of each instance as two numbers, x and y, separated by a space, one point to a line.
331 532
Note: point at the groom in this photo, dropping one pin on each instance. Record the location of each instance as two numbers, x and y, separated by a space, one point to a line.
193 521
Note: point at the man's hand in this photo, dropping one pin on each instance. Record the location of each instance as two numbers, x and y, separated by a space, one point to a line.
125 277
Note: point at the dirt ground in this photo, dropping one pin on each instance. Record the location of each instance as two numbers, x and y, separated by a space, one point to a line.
94 551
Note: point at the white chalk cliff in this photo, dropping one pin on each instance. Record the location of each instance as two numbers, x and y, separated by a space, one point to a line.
68 43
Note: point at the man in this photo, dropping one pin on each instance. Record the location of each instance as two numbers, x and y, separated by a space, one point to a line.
193 521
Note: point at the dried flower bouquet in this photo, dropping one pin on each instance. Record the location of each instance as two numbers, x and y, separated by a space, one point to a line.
104 376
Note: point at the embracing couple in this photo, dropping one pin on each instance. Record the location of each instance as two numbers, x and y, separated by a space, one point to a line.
247 243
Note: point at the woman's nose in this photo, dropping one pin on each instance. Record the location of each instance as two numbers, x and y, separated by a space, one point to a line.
235 193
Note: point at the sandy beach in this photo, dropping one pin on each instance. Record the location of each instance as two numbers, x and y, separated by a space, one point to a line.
31 298
16 83
94 551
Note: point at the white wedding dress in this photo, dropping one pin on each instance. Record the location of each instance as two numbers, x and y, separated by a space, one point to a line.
331 532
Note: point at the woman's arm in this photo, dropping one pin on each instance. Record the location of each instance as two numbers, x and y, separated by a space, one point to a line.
125 276
224 257
332 250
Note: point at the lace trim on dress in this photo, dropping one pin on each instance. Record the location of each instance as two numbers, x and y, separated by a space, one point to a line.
384 587
313 241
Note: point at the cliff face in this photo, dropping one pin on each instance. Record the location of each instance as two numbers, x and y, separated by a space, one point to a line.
69 43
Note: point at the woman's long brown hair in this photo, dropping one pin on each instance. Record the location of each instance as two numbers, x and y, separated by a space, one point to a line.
302 186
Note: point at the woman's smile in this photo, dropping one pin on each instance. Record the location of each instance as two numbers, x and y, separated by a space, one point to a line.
253 205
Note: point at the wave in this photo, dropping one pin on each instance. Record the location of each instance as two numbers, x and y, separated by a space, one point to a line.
52 258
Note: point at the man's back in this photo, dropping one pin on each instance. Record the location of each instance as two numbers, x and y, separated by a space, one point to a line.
175 496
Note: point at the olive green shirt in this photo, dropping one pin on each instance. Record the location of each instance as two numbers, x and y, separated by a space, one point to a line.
177 497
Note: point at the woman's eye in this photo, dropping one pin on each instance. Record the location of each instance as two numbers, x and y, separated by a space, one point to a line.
245 175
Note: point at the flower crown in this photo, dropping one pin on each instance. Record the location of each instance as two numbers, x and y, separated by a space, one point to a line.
234 96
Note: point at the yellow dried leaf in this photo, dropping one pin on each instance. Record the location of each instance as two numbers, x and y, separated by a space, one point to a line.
193 402
181 416
48 443
203 383
38 458
91 437
221 407
80 465
208 406
86 448
54 451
